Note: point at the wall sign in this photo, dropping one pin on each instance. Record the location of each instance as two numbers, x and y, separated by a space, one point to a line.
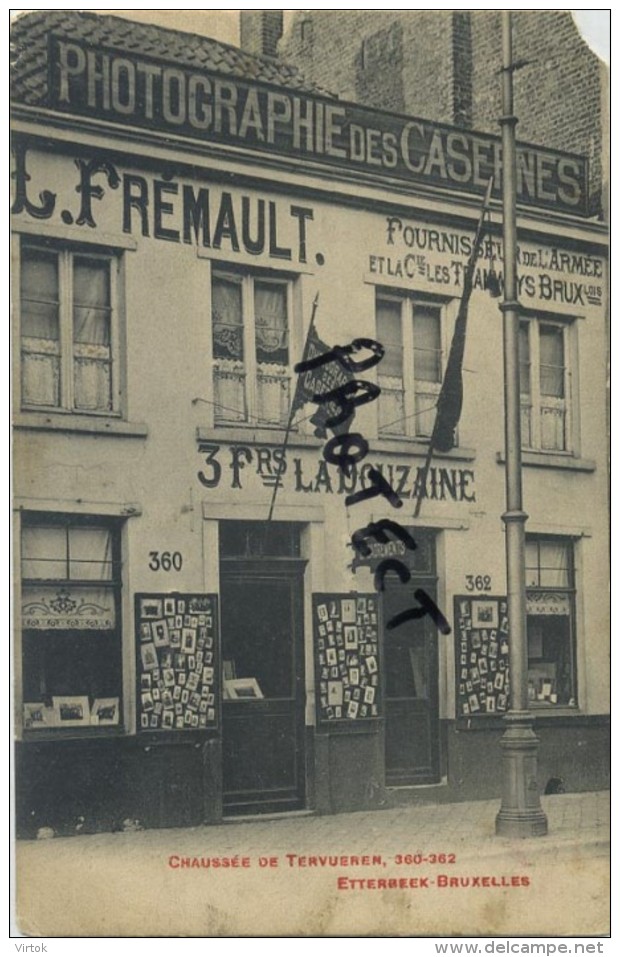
251 466
346 657
51 608
426 256
139 91
481 655
177 649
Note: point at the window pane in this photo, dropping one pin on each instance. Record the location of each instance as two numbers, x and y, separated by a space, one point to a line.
230 405
44 552
270 323
90 554
524 358
389 334
226 319
552 361
551 673
554 564
40 329
553 429
70 663
91 302
39 295
273 398
40 375
427 344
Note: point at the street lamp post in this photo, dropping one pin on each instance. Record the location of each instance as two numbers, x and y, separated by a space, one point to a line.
521 814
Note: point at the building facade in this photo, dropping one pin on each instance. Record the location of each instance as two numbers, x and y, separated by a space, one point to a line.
197 635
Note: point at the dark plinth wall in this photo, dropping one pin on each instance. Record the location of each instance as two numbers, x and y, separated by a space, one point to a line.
83 786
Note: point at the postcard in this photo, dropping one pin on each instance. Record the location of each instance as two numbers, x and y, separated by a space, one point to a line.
311 317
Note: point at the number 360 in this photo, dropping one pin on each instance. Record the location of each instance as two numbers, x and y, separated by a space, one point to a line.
165 561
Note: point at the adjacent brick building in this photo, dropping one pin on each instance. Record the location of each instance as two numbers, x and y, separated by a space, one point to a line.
442 65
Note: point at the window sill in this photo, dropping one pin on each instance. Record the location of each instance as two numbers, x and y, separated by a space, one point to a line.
539 715
89 424
553 460
252 435
419 447
72 734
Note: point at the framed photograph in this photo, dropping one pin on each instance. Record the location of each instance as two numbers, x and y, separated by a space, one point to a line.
148 654
105 711
150 608
334 692
348 611
243 689
71 711
160 633
169 607
350 638
484 614
145 631
188 641
37 715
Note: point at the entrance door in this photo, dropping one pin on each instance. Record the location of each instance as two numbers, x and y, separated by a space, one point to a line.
411 692
263 714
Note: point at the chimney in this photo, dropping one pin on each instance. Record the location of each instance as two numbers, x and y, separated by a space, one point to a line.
261 30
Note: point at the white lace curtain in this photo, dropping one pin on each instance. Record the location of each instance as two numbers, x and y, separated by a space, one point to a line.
270 323
227 320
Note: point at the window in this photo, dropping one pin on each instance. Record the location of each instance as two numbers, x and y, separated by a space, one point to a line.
250 318
550 622
545 386
71 648
68 330
410 373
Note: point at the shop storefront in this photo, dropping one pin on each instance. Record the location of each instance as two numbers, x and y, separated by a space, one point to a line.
197 635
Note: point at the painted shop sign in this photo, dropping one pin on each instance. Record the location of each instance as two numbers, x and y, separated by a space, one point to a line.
430 256
49 609
167 209
142 92
250 466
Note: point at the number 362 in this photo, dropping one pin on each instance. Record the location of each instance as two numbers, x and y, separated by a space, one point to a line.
478 582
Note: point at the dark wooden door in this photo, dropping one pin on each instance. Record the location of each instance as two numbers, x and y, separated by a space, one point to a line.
262 639
411 692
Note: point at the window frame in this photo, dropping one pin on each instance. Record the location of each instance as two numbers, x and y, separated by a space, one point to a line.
570 591
48 520
408 302
66 253
535 401
246 278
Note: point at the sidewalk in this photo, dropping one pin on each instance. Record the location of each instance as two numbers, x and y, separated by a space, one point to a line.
380 873
466 828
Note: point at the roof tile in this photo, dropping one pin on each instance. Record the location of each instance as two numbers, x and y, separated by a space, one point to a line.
30 68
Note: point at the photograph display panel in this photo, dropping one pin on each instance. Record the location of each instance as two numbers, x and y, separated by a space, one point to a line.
346 657
177 653
481 655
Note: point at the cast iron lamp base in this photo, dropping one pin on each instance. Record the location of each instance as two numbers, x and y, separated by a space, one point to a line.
521 814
